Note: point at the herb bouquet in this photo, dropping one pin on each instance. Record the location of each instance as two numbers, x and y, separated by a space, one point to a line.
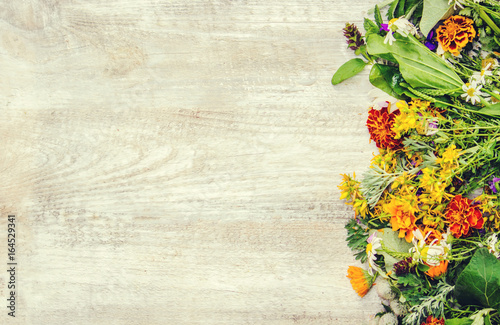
427 212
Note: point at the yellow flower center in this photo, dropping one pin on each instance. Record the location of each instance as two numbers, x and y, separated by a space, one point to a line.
471 92
369 247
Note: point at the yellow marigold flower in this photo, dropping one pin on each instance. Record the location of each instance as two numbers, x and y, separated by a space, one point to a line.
403 217
361 281
455 33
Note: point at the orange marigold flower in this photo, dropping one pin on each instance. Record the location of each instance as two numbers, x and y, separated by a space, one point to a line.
433 321
455 33
361 281
462 216
437 270
402 218
380 124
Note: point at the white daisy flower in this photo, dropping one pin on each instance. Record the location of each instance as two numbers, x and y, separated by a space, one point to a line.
479 76
374 243
492 244
431 254
472 92
401 26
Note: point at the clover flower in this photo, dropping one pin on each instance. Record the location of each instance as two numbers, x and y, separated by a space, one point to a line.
388 319
384 289
354 37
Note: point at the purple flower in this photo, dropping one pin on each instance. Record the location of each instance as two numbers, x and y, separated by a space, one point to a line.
430 42
492 184
384 27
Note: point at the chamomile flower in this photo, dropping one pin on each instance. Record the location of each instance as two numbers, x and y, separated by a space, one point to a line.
374 243
472 92
431 254
479 77
493 245
401 26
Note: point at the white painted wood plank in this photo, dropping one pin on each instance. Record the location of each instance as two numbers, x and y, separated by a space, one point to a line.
176 162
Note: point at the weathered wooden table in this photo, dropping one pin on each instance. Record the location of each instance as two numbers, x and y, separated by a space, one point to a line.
177 161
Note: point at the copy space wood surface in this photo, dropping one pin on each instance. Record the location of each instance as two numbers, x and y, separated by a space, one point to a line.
177 161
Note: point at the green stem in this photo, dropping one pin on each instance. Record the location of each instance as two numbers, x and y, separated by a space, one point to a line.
492 94
488 21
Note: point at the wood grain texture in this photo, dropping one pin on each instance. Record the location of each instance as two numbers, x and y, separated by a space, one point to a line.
176 162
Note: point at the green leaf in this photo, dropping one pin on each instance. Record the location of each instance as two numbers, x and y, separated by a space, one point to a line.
378 17
387 78
419 66
392 9
458 321
434 10
348 70
393 244
479 282
370 26
493 110
401 8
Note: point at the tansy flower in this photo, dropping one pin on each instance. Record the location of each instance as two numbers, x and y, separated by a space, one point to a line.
455 33
433 321
379 125
437 270
402 217
462 216
472 91
361 281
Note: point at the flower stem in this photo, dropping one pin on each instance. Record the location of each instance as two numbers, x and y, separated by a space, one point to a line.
488 21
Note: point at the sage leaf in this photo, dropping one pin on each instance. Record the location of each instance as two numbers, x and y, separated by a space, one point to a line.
419 66
348 70
479 282
433 12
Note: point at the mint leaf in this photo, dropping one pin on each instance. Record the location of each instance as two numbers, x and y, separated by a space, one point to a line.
479 282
